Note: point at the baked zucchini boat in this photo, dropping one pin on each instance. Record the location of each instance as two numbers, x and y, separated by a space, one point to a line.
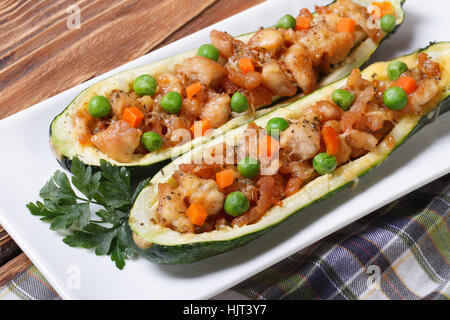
141 118
231 190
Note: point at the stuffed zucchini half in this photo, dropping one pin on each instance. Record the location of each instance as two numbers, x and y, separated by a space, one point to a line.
141 118
231 190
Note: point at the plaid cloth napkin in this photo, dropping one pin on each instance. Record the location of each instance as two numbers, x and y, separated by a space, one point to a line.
401 251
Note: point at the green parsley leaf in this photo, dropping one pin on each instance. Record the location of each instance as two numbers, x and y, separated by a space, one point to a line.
118 257
83 179
38 209
80 239
101 241
104 240
110 215
122 248
58 189
109 188
115 189
79 213
118 177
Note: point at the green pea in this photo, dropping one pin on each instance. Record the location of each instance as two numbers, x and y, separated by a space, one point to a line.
324 163
145 85
236 204
151 140
277 125
395 98
343 98
208 51
239 102
249 167
395 69
172 102
387 23
287 22
99 107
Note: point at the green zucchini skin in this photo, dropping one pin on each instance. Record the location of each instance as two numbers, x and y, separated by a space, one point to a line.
139 172
194 251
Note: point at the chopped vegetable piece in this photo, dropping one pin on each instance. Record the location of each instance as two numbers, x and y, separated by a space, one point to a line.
343 98
193 89
249 167
276 125
267 146
224 178
406 83
303 23
199 128
151 140
246 65
172 102
236 204
387 23
172 182
239 102
197 214
324 163
395 69
133 116
208 51
331 139
384 7
286 22
145 85
395 98
99 107
346 25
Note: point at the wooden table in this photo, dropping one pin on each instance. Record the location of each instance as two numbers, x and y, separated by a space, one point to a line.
42 53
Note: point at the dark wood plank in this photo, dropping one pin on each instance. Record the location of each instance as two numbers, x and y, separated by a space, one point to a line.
13 268
40 57
8 248
219 11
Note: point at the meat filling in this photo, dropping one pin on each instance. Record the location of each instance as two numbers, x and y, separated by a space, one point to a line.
324 128
275 62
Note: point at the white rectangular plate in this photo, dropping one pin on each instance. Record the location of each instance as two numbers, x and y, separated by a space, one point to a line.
26 164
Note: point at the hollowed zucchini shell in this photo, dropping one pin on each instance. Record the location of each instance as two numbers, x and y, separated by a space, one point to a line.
165 246
65 145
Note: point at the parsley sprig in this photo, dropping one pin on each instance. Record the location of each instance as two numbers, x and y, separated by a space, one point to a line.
108 190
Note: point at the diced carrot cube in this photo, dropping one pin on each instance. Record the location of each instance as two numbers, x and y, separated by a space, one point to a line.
193 89
331 139
224 178
303 23
246 65
406 83
133 116
346 25
384 8
196 214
